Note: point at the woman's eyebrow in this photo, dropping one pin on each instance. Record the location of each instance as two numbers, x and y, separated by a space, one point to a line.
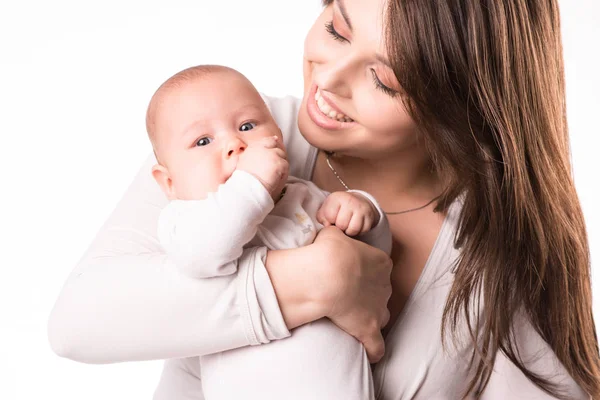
342 7
383 60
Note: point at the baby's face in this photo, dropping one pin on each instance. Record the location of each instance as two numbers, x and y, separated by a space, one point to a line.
202 128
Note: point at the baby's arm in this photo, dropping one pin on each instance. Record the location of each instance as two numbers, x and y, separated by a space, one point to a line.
206 237
358 214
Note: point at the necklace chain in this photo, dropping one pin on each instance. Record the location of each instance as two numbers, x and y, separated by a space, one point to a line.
327 154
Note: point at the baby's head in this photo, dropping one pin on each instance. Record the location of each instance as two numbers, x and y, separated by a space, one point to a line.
199 121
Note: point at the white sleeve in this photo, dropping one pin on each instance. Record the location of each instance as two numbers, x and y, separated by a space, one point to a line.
508 382
380 235
180 380
126 301
319 362
206 237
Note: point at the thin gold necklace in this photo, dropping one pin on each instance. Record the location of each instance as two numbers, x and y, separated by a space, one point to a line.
327 154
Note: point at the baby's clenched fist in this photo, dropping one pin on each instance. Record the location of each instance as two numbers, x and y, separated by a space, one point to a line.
266 161
351 212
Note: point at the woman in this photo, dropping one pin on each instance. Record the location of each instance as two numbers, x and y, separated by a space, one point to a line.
455 122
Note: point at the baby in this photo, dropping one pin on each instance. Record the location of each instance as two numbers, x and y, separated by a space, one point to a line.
222 164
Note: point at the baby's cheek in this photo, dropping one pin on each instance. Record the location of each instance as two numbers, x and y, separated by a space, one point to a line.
190 186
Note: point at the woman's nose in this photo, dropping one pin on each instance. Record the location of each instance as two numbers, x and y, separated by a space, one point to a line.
235 146
334 75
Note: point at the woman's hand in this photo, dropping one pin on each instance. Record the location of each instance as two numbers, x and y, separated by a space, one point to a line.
358 287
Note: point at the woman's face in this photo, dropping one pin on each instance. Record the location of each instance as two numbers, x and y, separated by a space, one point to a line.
352 102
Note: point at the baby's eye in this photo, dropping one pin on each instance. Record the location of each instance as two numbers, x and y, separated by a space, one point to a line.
247 126
204 141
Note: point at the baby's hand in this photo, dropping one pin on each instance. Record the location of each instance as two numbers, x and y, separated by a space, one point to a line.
351 212
268 163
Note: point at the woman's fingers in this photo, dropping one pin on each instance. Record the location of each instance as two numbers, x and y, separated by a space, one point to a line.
386 318
360 288
375 347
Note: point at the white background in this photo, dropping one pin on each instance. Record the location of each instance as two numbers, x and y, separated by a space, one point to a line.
75 79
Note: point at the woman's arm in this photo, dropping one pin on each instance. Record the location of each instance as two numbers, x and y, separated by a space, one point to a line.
125 301
350 281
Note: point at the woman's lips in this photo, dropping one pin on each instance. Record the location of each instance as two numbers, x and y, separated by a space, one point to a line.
319 118
329 103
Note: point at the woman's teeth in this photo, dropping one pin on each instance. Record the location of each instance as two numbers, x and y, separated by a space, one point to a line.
331 113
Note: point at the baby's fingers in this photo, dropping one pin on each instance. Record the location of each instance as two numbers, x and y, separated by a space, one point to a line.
367 223
328 212
344 216
280 153
356 224
270 142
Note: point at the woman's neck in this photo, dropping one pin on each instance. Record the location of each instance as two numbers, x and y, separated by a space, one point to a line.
401 180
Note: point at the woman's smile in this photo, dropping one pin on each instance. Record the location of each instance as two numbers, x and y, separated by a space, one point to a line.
329 108
324 113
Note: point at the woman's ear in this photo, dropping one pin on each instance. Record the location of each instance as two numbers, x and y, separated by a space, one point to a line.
163 178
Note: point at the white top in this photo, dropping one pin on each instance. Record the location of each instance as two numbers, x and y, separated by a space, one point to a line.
125 301
205 238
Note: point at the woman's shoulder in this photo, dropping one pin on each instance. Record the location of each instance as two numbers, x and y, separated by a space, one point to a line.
285 112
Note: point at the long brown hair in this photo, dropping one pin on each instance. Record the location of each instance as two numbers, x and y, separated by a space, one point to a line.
484 80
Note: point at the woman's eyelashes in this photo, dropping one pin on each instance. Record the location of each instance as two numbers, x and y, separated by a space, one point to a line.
385 89
378 84
336 36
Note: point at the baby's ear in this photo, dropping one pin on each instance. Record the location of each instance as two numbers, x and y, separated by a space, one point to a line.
163 178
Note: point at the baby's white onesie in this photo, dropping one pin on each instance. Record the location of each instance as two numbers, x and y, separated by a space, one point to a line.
208 238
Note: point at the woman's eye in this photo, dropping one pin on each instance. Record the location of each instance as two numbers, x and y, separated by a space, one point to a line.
336 36
248 126
203 141
385 89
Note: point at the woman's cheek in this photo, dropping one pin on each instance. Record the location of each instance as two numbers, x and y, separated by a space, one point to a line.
315 43
382 112
373 113
385 120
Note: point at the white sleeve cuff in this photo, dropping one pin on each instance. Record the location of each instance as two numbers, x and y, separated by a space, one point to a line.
256 189
260 310
380 235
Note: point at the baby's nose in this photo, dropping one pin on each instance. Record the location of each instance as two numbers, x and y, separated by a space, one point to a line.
235 147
